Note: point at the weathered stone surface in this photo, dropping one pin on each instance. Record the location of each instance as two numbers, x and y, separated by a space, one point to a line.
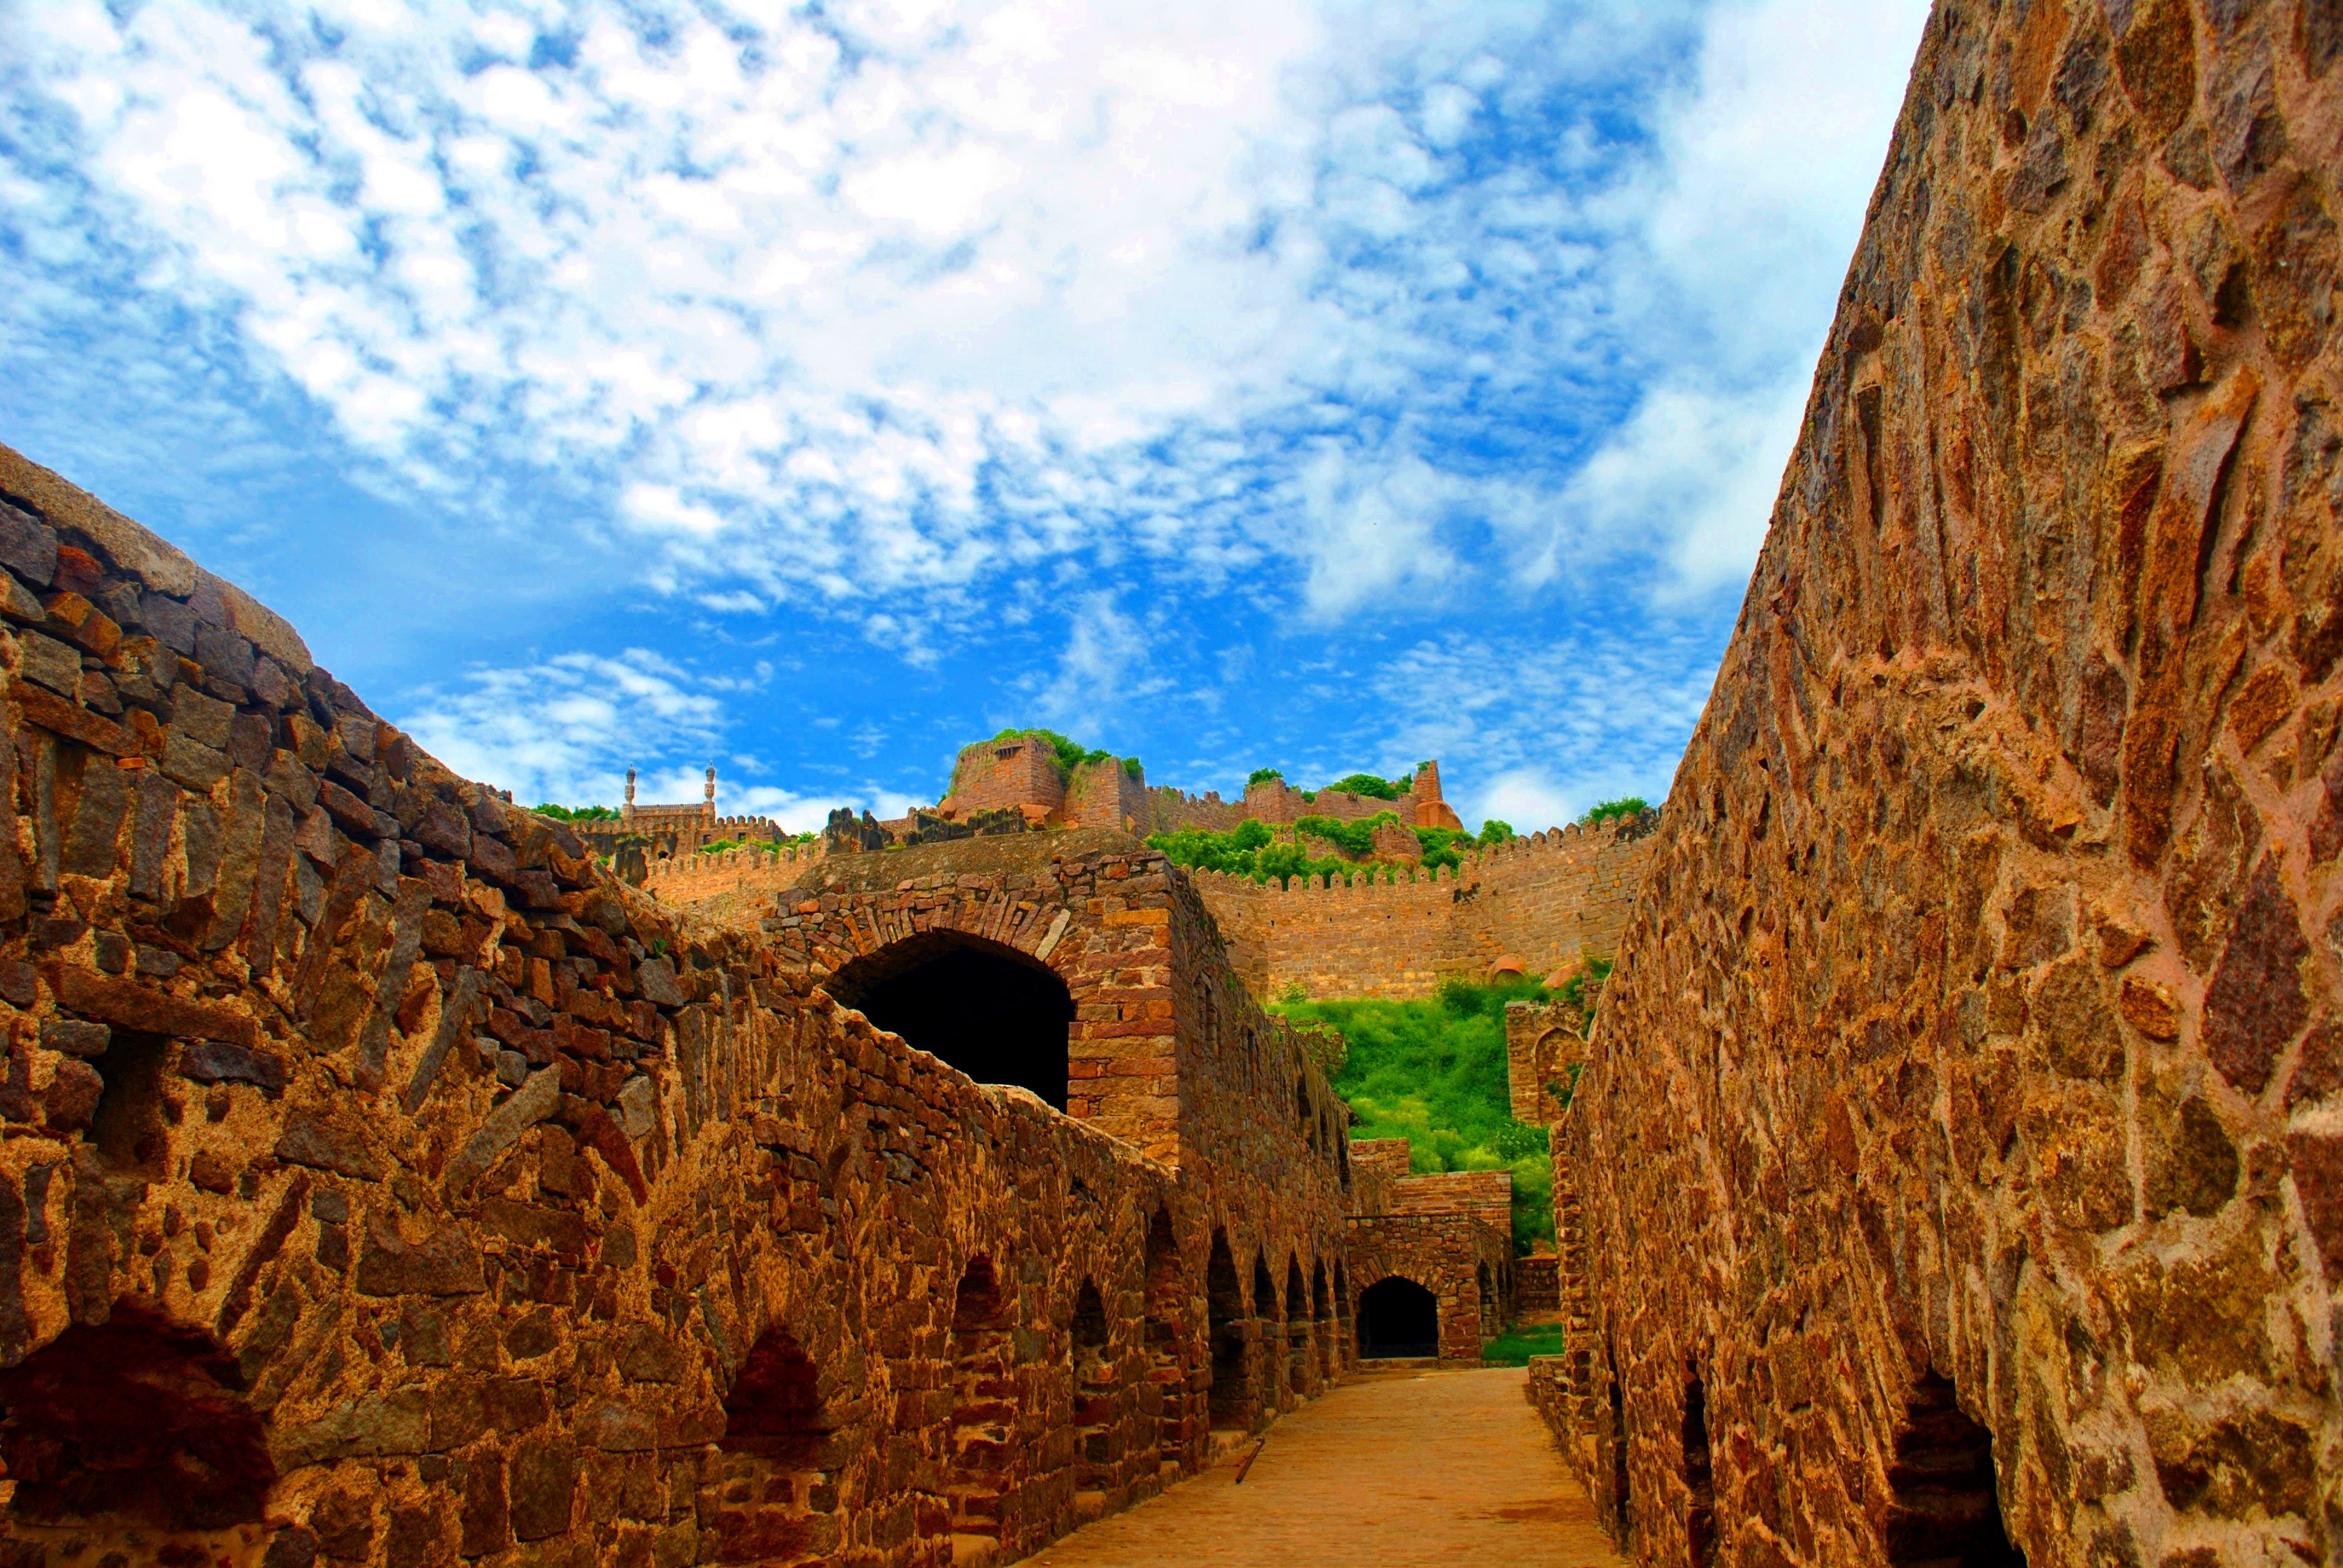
434 1311
1958 1136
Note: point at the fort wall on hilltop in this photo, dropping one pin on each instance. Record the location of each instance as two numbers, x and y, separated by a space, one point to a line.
1547 901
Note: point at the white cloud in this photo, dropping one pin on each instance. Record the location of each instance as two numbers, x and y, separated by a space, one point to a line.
893 302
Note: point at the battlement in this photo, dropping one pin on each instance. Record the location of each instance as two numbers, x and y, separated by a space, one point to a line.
1539 904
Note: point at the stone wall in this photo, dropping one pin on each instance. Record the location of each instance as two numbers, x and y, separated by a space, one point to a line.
1548 899
1485 1195
1543 1044
1006 775
1961 1150
1466 1265
384 1183
1537 1285
1108 795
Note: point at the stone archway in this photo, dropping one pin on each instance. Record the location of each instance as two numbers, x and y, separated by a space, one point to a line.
1398 1318
996 1013
137 1420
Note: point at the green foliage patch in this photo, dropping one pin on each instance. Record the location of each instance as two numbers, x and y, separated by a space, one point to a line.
1371 787
577 813
1515 1347
1626 808
1258 774
1433 1072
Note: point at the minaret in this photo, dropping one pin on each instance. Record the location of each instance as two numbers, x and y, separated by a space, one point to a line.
627 811
709 810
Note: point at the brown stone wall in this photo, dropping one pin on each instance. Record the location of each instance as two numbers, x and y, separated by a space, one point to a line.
1104 796
1451 1255
384 1183
1542 1043
1537 1286
1004 775
1965 1120
1549 899
1487 1195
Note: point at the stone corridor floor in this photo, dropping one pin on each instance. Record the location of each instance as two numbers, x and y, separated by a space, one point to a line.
1395 1469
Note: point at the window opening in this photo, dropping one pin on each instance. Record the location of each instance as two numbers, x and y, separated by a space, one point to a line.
1700 1483
981 1443
1944 1510
773 1448
982 1007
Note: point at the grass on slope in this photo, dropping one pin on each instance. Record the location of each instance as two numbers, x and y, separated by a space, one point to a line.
1433 1072
1515 1347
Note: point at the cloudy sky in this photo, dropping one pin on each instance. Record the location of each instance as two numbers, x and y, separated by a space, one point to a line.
807 389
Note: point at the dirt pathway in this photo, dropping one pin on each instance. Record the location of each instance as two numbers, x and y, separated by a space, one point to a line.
1396 1469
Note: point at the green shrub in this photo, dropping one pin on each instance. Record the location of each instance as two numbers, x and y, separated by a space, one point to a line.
1258 774
1494 831
577 813
1627 808
1131 766
1515 1347
1354 838
1372 788
720 846
1433 1072
1065 755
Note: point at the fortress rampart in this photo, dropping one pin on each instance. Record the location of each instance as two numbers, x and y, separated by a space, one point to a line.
1548 901
385 1182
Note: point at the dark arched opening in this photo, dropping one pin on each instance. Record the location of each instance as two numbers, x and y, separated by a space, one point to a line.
1398 1317
136 1419
1165 1397
1486 1284
981 1443
1700 1479
1622 1511
1322 1316
774 1435
1269 1333
1943 1508
1095 1416
1225 1318
985 1008
1297 1328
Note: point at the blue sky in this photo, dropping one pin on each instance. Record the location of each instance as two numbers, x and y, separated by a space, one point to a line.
808 389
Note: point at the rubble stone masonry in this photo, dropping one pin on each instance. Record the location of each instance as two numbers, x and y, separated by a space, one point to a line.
382 1182
1548 899
1961 1149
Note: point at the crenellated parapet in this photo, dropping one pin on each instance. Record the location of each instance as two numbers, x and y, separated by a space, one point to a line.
1538 905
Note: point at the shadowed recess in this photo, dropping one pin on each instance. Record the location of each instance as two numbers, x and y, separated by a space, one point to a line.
135 1418
1398 1318
985 1008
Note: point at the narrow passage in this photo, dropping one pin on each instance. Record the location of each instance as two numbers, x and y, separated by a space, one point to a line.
1395 1469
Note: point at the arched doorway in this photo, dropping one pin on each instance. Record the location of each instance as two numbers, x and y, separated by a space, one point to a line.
995 1013
775 1447
1398 1317
1224 1315
136 1419
1165 1394
1269 1333
981 1443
